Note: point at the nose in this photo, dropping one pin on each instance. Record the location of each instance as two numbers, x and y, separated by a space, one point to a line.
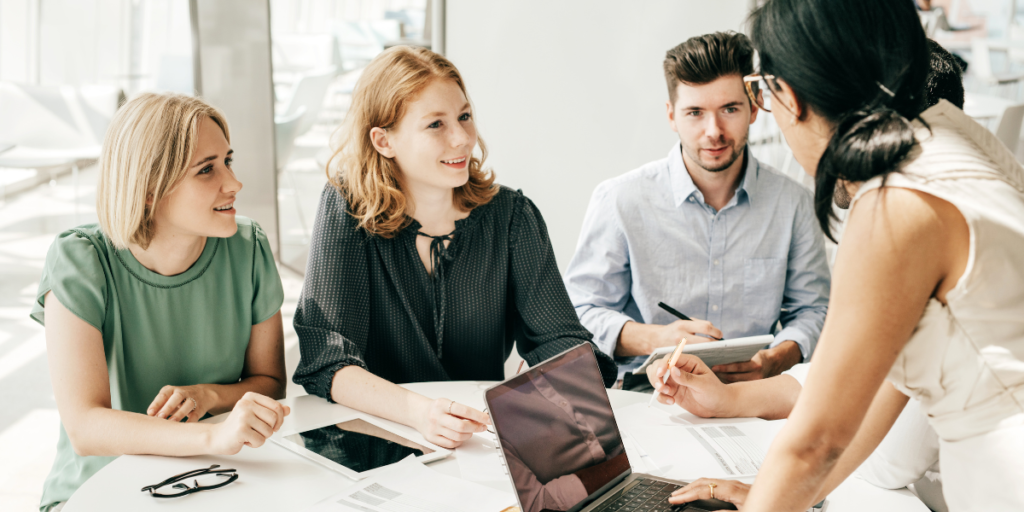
713 129
459 136
231 185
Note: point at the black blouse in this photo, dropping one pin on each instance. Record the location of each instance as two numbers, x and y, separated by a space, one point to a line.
369 301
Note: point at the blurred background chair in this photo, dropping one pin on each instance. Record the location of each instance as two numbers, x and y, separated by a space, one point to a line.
53 128
1008 129
308 95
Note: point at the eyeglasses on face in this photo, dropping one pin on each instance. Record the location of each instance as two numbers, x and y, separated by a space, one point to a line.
759 90
203 479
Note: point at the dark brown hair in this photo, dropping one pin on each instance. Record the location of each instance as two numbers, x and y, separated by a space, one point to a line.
704 59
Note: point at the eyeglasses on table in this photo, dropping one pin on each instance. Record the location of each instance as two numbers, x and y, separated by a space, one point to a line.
203 479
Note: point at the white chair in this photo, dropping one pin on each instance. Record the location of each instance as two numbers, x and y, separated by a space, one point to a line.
981 67
1008 130
285 131
309 93
54 127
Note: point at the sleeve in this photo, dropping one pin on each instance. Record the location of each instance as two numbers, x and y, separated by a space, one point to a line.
267 292
332 317
75 273
546 324
805 301
598 278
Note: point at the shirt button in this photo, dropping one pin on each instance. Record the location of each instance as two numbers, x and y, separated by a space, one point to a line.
692 199
564 403
716 262
714 308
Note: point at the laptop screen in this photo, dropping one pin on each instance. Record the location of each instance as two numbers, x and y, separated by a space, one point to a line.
557 432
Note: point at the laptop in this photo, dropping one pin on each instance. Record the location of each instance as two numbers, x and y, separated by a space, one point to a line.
562 448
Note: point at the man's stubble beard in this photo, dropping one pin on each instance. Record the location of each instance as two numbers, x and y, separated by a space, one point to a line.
737 152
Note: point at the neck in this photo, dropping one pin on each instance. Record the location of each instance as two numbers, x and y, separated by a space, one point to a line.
717 187
434 209
169 255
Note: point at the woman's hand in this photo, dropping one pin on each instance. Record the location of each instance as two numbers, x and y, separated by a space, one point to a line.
726 490
448 424
253 420
693 386
177 402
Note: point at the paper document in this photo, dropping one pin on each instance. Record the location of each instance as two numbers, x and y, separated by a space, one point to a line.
409 486
643 416
479 460
713 451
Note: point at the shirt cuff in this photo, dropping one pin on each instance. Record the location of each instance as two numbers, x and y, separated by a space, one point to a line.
321 385
606 326
801 339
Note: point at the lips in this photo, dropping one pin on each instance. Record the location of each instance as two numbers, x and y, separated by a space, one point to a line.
456 163
226 208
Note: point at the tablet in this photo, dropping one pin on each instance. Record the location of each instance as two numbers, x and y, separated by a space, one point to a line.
736 350
357 447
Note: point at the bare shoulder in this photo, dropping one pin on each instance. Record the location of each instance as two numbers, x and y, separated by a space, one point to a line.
915 227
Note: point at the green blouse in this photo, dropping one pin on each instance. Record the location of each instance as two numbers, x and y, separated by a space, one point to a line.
192 328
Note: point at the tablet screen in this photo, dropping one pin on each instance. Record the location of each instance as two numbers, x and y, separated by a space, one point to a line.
357 445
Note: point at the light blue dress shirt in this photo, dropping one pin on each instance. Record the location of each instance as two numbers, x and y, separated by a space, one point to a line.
648 236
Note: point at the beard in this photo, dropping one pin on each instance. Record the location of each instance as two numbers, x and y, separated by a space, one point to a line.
737 152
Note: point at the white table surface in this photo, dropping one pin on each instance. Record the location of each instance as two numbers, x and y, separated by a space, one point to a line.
272 478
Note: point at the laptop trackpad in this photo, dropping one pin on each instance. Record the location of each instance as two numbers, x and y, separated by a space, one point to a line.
708 505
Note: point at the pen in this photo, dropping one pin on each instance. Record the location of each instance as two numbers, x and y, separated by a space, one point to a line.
671 364
681 316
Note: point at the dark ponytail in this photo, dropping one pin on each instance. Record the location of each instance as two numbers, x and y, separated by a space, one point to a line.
861 65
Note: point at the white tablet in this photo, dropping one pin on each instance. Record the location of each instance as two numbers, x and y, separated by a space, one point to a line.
357 447
736 350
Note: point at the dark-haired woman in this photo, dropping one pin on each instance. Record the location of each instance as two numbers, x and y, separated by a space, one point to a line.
928 287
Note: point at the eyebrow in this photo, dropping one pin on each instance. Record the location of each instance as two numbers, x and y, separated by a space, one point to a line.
727 105
436 114
211 157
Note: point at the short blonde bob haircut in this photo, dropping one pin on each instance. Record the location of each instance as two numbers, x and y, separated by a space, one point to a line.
371 182
146 153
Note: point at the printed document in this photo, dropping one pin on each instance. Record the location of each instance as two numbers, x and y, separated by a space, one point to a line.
409 486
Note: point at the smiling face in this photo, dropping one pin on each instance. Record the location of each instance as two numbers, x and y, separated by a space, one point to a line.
202 204
712 121
434 140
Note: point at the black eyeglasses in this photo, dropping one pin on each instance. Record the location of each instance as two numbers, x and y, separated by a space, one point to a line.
203 479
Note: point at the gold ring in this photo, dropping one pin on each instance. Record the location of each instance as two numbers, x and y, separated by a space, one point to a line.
712 487
450 404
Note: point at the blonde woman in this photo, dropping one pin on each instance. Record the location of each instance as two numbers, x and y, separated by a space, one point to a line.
168 309
421 268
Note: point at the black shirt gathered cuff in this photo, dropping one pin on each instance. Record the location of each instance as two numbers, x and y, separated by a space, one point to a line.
319 383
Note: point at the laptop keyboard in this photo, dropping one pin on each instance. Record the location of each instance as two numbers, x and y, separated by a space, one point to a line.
646 496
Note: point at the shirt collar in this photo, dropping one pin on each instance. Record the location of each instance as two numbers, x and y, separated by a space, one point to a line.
682 183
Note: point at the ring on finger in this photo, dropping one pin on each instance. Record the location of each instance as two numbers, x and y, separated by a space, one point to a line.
450 404
195 405
712 487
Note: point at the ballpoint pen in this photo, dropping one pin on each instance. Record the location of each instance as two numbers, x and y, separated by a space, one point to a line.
671 364
681 316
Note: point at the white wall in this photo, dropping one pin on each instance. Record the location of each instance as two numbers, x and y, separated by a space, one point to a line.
568 93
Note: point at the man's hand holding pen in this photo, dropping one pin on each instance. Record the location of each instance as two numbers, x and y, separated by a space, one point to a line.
644 338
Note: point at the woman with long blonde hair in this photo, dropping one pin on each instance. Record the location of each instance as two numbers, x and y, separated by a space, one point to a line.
165 311
421 268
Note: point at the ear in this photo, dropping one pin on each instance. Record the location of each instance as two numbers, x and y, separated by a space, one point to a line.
149 199
753 108
788 99
379 139
671 115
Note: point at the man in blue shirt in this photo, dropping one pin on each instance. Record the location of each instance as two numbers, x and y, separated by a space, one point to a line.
708 230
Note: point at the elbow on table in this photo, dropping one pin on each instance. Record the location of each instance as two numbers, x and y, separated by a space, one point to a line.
82 443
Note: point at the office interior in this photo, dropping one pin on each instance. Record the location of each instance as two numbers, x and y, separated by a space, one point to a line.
566 94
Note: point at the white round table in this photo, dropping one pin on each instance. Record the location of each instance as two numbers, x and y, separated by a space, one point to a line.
273 478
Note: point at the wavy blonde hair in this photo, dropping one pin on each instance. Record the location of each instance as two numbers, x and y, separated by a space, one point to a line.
146 152
370 181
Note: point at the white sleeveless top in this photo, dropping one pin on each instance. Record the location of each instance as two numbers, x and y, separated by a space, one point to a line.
965 360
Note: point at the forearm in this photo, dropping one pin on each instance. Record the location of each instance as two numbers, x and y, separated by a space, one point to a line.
101 431
770 399
225 396
635 339
359 389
